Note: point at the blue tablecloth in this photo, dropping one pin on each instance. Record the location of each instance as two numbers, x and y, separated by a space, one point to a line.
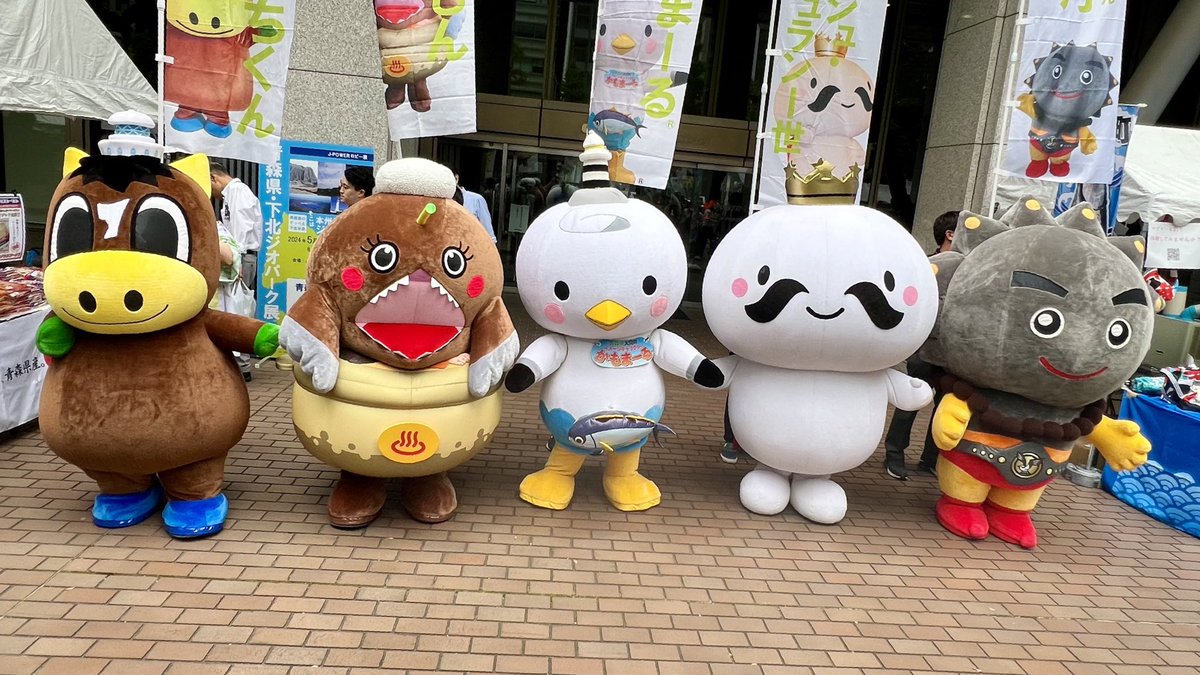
1164 487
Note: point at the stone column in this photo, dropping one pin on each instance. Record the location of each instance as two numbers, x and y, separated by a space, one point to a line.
1169 60
968 111
335 86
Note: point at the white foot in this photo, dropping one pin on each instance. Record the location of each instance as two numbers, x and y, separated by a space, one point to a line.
818 499
764 492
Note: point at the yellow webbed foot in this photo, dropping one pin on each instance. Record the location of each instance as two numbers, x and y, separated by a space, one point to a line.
950 422
1121 442
627 489
553 486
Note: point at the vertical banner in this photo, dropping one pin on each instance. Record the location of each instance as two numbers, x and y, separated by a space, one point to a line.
822 92
1105 197
299 197
224 90
639 77
1063 127
427 54
12 228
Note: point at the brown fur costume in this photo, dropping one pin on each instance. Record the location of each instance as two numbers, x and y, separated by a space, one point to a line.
145 385
411 291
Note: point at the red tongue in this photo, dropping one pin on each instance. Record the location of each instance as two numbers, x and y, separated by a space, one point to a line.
395 14
410 340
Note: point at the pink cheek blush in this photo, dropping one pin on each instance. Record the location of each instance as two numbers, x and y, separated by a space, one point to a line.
554 313
475 286
352 279
651 46
740 287
910 296
659 307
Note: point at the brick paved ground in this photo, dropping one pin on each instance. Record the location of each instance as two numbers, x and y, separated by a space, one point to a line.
696 585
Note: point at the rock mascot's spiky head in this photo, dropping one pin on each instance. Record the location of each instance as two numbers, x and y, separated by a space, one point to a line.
1072 82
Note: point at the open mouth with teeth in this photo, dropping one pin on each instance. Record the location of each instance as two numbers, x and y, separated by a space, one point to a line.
414 317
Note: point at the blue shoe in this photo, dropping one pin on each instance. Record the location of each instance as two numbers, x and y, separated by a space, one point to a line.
187 125
199 518
113 511
217 130
729 454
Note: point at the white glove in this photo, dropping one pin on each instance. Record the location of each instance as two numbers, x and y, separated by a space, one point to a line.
310 354
486 373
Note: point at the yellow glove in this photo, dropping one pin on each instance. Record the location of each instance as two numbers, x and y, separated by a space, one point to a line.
1087 141
950 422
1121 442
1025 104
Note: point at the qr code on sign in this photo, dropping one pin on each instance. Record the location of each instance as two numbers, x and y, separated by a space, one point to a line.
1173 254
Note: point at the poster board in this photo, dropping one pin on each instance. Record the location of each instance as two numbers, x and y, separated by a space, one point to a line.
12 228
299 198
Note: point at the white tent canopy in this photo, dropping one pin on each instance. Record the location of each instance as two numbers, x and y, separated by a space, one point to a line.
1162 176
57 57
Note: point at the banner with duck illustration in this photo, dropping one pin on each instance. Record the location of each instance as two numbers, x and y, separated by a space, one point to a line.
223 84
643 54
427 55
813 131
1063 126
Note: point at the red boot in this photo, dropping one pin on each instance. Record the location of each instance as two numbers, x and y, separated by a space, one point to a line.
962 518
1037 168
1015 527
1060 169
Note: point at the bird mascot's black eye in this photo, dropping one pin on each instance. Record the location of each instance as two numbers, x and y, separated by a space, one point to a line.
649 285
562 291
764 274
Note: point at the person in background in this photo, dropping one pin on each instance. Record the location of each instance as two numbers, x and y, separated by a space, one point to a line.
899 434
477 205
357 184
241 216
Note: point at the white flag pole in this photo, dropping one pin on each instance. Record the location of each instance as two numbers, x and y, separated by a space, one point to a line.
1014 59
162 60
760 133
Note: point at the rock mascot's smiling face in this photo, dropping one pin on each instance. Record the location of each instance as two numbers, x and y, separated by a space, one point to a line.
1053 311
407 273
602 271
838 288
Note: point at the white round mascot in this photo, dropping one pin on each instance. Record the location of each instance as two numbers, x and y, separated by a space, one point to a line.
817 303
602 273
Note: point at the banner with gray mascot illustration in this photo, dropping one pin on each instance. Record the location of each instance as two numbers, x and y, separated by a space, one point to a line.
1064 121
643 54
822 92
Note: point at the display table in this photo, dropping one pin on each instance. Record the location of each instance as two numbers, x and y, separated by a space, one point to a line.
22 368
1165 486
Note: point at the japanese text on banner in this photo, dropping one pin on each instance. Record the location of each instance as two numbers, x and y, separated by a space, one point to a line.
643 55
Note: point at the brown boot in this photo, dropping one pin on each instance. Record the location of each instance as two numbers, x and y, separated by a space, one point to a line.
356 500
429 499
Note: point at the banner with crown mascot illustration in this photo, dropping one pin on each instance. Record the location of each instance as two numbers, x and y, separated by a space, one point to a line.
821 96
1064 124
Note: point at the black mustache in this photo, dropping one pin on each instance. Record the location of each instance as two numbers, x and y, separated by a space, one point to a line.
829 91
866 98
771 304
823 98
875 303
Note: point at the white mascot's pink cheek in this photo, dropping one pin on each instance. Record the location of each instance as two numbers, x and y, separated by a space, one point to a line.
740 287
555 313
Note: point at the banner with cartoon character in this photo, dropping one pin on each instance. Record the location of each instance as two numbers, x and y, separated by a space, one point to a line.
427 55
826 55
299 197
223 83
643 54
1063 127
1104 197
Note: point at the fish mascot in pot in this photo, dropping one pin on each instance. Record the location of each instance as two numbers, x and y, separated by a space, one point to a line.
400 342
142 392
602 273
817 303
1041 319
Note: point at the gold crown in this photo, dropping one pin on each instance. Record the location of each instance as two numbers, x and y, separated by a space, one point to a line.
834 47
820 186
